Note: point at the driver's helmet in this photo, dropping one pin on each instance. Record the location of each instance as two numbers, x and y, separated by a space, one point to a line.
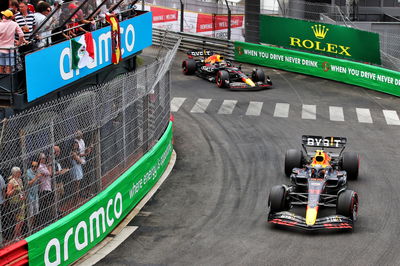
219 58
321 157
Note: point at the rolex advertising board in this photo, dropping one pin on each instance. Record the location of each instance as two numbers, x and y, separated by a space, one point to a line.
315 37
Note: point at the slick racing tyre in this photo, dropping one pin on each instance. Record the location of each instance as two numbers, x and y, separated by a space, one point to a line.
350 163
258 75
347 204
222 79
277 200
188 66
293 159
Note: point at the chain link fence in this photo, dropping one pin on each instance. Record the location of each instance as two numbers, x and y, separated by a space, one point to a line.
57 156
333 14
213 19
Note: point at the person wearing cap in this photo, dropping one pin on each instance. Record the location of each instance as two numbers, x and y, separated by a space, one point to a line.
8 29
32 181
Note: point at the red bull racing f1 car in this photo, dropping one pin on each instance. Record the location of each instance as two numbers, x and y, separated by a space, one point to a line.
318 180
212 67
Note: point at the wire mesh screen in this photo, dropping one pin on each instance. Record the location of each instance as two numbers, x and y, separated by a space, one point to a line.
205 18
57 156
333 14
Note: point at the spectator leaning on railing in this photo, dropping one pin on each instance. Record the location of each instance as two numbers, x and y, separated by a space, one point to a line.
8 28
43 9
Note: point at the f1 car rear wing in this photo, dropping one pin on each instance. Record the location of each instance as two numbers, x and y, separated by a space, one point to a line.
204 53
324 142
320 142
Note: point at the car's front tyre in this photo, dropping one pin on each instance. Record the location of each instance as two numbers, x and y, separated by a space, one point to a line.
277 200
347 204
222 79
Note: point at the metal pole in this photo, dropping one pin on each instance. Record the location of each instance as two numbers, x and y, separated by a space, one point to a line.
91 15
182 14
229 19
143 5
55 208
124 104
73 13
44 22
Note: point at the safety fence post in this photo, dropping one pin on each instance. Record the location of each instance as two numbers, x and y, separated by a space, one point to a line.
229 19
182 14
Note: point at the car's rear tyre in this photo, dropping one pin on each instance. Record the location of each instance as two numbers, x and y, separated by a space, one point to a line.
277 200
293 159
258 75
222 78
351 163
189 66
347 204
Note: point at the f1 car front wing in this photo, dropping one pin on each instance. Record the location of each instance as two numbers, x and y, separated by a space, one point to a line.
292 220
244 86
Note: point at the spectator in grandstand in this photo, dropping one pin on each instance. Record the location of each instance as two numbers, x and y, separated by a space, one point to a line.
31 8
60 175
83 151
25 19
15 193
32 182
42 11
76 170
14 6
46 195
8 28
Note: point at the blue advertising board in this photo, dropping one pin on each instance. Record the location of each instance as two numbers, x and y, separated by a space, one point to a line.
50 69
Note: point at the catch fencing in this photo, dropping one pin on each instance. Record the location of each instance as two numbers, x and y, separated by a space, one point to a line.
212 19
344 15
49 172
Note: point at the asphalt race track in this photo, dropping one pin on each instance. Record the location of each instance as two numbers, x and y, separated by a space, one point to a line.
212 209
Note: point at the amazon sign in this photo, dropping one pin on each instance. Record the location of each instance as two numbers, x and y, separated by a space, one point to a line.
315 37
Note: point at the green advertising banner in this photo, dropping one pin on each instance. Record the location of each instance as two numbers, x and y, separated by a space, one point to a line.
68 239
315 37
354 73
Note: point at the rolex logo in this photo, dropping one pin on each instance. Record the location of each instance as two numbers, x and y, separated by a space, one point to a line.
319 31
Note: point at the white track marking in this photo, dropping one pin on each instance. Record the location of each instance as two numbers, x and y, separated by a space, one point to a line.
364 115
200 106
254 108
227 107
336 113
176 103
281 110
391 117
309 112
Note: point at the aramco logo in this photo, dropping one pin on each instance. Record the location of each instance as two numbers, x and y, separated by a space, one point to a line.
320 31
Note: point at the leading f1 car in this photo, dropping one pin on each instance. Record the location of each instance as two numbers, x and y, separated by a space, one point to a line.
214 68
318 180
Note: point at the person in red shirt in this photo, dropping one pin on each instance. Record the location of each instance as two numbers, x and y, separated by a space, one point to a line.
8 29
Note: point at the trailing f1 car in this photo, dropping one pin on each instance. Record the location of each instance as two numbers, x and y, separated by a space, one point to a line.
318 180
214 68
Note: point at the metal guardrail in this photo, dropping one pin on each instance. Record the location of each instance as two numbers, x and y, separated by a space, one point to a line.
193 42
